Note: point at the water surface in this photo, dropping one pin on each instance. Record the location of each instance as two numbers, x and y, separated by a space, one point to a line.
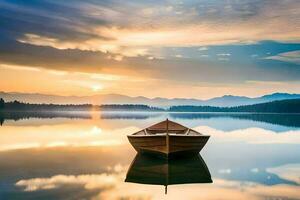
87 156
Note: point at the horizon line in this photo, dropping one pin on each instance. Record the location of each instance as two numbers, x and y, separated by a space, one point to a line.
151 98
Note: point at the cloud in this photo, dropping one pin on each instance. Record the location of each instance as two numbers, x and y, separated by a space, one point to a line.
111 27
292 56
88 45
110 39
20 68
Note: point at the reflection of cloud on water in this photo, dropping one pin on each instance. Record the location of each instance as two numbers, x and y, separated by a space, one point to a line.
111 186
106 180
289 172
251 135
74 135
87 133
93 181
224 171
255 176
60 144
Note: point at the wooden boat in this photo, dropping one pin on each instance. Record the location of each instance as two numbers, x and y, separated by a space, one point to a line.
150 170
168 138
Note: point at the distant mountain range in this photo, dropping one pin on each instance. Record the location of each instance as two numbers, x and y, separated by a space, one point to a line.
224 101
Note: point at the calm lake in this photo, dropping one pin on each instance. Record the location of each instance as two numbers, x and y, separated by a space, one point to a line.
87 156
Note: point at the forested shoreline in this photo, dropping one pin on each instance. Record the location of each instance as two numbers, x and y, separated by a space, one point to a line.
282 106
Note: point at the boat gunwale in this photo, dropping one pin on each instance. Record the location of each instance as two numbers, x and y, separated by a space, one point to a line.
170 134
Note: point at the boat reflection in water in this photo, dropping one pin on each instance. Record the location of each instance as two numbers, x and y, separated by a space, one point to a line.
151 170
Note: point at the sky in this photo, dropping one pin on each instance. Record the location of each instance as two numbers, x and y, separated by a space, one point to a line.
152 48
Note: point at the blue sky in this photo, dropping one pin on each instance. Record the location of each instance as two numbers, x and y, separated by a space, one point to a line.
200 48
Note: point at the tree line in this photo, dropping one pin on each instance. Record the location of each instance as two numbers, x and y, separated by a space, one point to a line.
19 106
282 106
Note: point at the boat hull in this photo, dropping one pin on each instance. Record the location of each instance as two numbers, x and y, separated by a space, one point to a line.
174 145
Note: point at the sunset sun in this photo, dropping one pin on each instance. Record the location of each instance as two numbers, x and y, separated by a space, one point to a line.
96 88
